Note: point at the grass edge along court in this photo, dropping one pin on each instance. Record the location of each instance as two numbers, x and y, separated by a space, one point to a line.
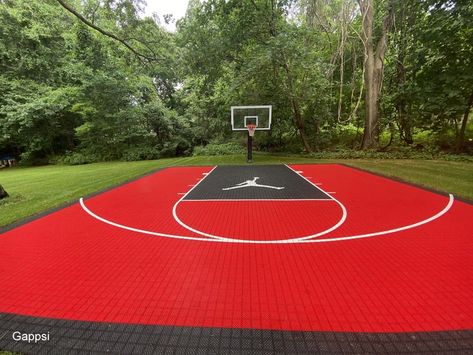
36 189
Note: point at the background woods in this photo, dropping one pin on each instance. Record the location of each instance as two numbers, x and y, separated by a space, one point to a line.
92 80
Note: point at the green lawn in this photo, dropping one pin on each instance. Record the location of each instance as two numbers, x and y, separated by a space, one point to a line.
447 176
33 190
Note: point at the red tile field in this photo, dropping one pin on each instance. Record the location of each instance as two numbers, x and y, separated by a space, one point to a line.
382 256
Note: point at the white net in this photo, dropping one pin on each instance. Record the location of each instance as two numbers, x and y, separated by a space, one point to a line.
251 129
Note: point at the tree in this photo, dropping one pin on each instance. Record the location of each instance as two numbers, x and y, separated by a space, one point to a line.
446 74
68 89
403 52
265 57
375 50
110 83
127 5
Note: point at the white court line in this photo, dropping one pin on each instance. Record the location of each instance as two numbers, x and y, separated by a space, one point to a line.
84 207
176 218
297 239
389 231
344 210
285 241
306 178
359 236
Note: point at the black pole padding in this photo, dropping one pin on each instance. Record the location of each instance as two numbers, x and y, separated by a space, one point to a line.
3 193
249 156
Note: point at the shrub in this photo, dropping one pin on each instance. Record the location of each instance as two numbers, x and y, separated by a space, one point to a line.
175 148
398 153
140 153
229 148
30 158
79 158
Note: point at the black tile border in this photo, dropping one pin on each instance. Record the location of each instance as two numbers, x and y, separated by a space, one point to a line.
79 337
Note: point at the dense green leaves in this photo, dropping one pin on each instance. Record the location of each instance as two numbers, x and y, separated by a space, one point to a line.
69 92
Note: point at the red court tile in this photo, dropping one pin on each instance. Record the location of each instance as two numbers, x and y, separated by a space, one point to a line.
73 266
264 220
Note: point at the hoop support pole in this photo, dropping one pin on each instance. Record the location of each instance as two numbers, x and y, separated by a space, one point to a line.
249 155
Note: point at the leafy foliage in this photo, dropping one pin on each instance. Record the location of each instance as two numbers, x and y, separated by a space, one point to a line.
73 95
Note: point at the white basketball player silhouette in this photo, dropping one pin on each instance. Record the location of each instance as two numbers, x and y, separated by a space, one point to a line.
251 183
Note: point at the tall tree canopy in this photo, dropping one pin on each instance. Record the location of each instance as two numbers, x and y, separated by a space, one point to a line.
98 80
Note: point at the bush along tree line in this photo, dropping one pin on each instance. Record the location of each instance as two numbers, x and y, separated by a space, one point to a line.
97 80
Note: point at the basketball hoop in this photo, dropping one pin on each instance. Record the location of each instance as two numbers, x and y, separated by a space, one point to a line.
251 129
251 119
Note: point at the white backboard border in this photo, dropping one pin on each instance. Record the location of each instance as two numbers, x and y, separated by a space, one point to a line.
270 109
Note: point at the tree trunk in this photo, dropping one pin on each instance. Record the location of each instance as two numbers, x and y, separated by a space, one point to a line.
299 122
405 126
371 131
403 117
461 134
374 71
297 116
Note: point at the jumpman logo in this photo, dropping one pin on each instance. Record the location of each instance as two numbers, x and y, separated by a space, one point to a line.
251 183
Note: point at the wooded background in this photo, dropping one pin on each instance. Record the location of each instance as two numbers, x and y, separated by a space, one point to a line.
89 80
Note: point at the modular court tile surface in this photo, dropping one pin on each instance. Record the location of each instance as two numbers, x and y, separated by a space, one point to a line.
298 259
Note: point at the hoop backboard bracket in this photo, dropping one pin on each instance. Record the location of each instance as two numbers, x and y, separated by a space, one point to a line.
258 115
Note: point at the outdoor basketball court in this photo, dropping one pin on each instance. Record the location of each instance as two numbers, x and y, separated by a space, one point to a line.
256 259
